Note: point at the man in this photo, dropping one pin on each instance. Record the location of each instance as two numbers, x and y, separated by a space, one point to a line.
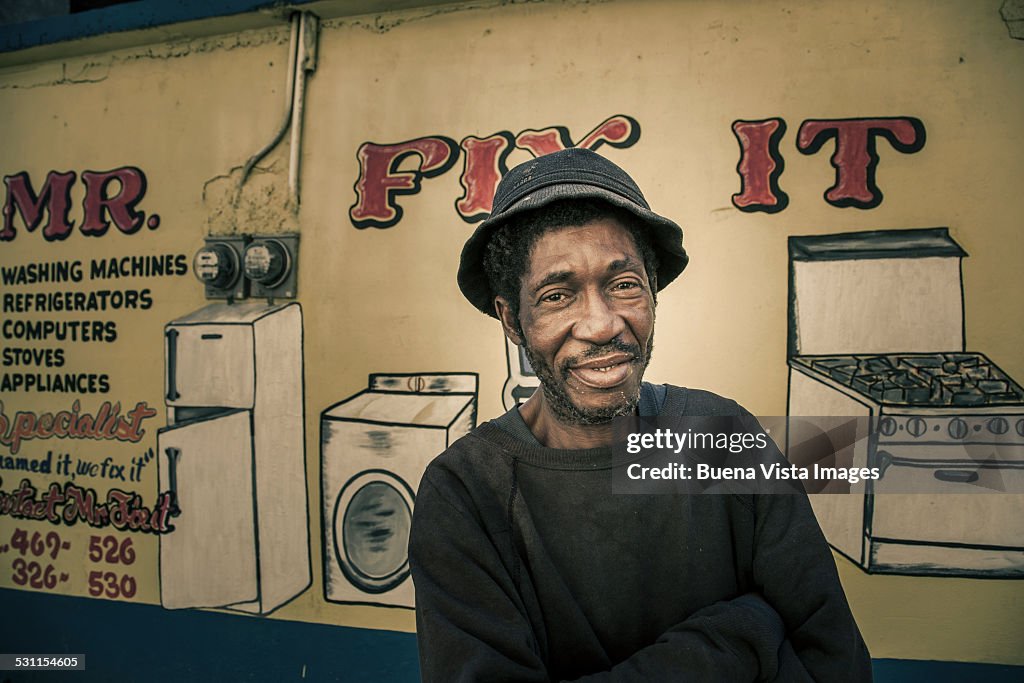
526 566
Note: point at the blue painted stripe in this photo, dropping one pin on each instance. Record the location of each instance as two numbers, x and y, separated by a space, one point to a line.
914 671
127 17
131 642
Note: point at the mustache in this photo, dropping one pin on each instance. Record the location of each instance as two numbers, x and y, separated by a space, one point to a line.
634 351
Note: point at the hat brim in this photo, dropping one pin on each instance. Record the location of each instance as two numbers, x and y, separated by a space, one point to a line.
666 238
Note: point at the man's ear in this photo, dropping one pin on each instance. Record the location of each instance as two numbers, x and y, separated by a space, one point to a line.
508 320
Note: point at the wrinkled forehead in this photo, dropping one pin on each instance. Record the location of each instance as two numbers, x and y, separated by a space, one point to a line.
598 246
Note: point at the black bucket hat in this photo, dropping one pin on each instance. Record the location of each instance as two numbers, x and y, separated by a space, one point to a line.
573 173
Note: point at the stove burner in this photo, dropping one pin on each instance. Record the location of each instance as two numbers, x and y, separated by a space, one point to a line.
933 379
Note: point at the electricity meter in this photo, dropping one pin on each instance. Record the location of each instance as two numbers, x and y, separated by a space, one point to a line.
266 262
270 265
218 265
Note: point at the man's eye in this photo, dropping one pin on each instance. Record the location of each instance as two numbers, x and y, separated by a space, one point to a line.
627 285
554 297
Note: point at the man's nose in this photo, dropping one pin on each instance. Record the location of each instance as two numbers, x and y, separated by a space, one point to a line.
598 323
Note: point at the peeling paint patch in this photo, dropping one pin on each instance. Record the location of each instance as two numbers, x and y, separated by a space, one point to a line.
261 206
1012 13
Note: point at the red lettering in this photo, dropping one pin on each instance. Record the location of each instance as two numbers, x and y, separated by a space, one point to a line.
55 197
61 423
24 423
546 141
22 499
134 431
855 157
760 165
119 509
483 167
120 207
139 519
111 417
485 157
102 414
52 497
81 504
617 131
45 428
106 424
381 178
380 181
84 426
163 511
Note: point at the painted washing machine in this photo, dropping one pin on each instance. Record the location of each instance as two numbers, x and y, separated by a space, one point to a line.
374 448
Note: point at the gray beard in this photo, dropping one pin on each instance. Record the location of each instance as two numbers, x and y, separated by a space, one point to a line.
557 398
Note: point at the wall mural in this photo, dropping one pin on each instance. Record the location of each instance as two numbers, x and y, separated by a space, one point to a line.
522 379
374 447
233 457
84 531
155 443
855 158
380 181
947 425
229 514
223 485
55 198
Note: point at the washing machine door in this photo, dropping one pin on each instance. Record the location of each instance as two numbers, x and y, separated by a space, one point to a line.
372 519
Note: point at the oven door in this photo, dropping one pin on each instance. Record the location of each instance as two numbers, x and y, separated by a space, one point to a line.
950 495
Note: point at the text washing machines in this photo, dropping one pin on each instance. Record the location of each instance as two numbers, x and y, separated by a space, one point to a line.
375 446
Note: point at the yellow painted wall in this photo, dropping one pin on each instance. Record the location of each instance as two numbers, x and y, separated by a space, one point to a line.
189 113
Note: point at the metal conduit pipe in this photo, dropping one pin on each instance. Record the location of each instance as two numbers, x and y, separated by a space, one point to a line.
293 44
308 33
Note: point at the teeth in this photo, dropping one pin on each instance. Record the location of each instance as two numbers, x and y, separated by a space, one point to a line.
606 368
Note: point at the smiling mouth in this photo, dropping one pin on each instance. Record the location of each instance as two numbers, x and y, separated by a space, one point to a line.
604 373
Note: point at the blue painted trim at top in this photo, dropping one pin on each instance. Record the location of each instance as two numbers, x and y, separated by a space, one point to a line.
127 17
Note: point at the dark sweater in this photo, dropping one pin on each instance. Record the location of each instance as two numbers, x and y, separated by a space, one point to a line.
528 568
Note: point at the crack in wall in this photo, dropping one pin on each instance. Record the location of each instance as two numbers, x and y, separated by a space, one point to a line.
183 48
82 75
171 49
386 21
176 49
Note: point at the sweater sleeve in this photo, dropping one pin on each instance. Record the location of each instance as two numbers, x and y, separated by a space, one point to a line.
795 571
732 640
793 568
471 623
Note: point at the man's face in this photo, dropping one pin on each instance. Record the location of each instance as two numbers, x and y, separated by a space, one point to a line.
587 319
